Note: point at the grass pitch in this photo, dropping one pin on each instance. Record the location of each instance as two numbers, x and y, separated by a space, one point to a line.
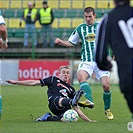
22 104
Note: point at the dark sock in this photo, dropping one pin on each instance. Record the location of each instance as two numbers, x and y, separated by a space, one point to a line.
53 118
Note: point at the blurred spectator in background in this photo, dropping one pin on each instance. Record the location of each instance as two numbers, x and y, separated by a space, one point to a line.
3 33
29 16
46 18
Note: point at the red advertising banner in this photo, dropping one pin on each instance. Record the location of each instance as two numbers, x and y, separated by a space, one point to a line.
29 69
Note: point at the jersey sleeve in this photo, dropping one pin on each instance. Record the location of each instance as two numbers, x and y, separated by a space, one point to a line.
102 42
74 37
2 21
46 81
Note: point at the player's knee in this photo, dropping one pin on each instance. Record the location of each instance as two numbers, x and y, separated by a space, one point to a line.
64 102
81 79
106 87
106 84
82 76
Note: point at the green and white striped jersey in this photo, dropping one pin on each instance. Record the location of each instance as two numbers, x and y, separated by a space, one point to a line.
87 34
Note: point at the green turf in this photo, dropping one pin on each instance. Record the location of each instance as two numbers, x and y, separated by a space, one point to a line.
21 105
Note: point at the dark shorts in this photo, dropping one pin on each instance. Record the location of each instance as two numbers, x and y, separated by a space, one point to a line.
55 108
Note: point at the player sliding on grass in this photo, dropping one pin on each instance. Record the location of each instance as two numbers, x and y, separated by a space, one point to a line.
61 95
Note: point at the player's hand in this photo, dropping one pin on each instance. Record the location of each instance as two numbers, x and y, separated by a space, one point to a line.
3 46
58 41
11 81
93 121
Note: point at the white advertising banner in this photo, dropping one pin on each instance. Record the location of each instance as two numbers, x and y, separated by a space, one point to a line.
9 70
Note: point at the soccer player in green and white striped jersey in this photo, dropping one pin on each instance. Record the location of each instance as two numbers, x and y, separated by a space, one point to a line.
3 45
87 33
3 33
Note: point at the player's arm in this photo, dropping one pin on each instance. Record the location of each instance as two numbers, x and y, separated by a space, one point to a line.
63 43
24 82
82 115
102 58
3 33
72 41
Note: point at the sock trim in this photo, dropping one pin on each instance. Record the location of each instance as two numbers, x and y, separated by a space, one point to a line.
107 93
83 84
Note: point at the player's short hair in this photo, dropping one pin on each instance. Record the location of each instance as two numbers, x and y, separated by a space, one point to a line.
89 9
67 67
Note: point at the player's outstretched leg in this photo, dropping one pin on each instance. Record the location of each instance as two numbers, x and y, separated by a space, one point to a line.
86 103
88 95
77 97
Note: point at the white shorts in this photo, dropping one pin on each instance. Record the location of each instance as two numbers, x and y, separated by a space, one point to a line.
91 67
2 21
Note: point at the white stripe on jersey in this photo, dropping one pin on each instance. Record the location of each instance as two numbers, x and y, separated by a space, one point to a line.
91 54
2 20
82 31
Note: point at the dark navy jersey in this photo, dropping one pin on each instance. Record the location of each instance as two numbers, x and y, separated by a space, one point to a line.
57 87
115 30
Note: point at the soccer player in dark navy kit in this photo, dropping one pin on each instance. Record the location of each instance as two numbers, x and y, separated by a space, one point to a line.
116 31
61 95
